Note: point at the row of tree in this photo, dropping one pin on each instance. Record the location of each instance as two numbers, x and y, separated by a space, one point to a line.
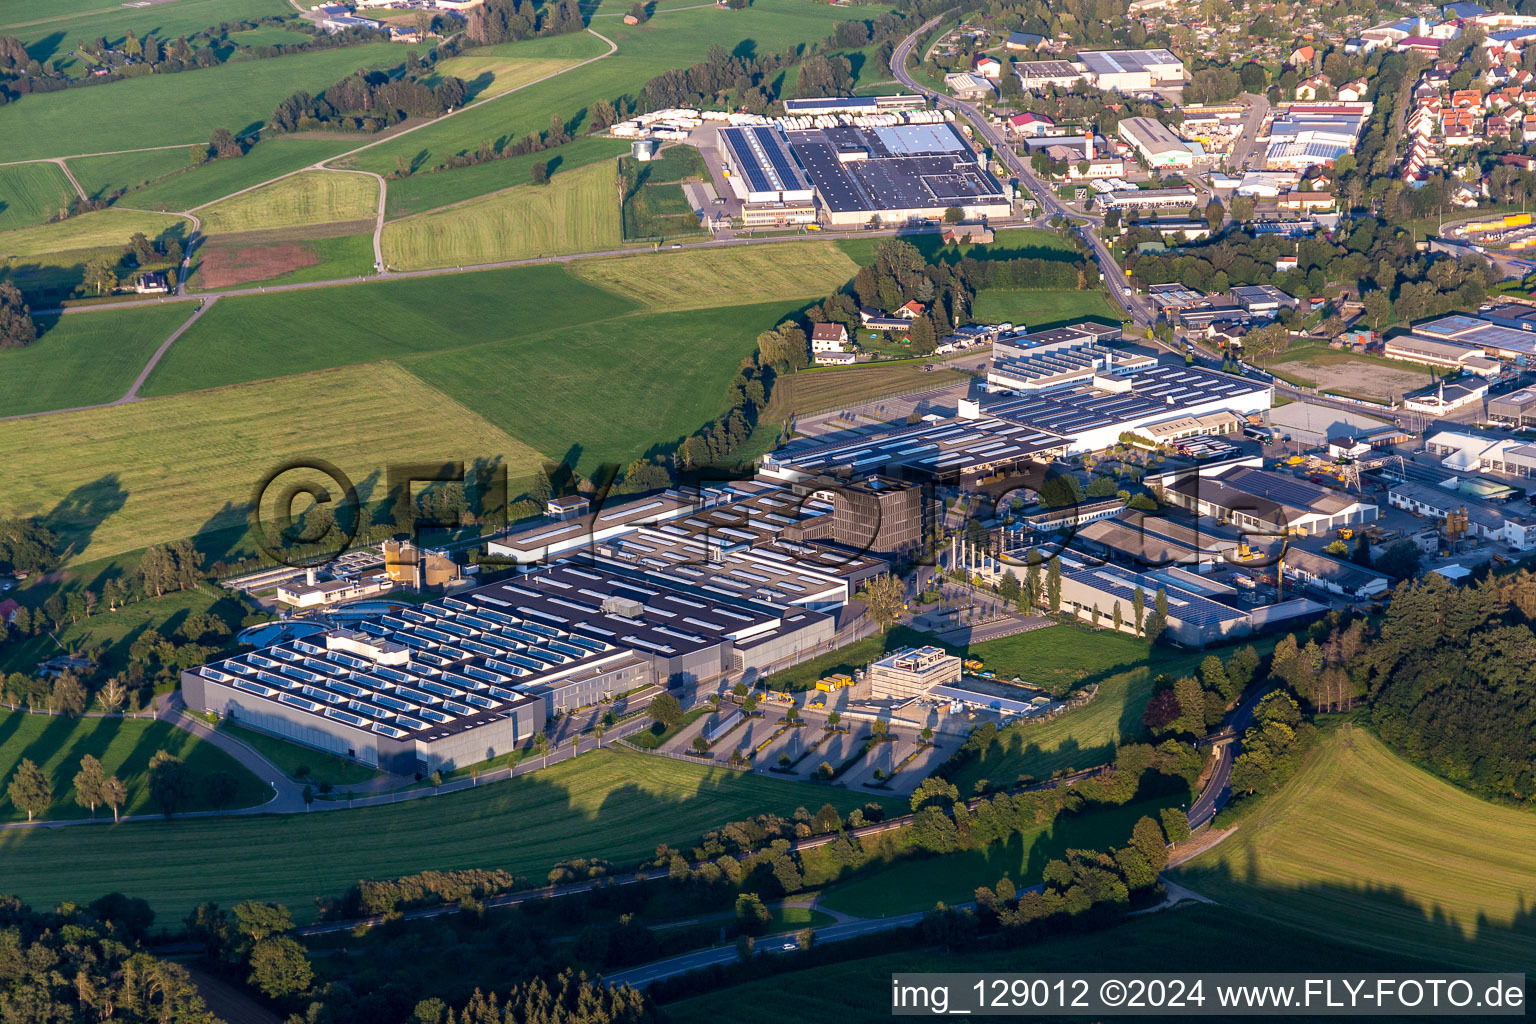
169 781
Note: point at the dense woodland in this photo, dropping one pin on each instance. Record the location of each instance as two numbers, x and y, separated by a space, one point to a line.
86 964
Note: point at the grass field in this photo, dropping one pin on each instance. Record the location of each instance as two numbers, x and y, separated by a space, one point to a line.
303 764
282 257
859 991
655 205
153 472
660 376
419 193
50 27
101 230
605 804
219 178
123 746
675 39
238 96
1123 667
1363 846
85 359
32 193
491 75
704 278
101 175
1008 243
259 336
310 198
578 211
1036 309
268 36
919 883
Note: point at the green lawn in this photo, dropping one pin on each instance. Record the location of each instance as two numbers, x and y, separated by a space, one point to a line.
31 194
84 358
51 27
1124 670
187 106
606 804
219 178
124 747
260 336
303 764
622 386
1362 845
427 191
920 882
859 991
1008 243
101 175
697 278
1036 309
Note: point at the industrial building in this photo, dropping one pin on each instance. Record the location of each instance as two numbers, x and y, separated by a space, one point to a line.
912 673
1516 529
1262 502
1157 146
1314 134
1450 353
1473 453
1345 579
1444 397
467 678
855 105
1517 408
761 168
1131 70
1493 331
897 173
1045 74
1181 198
1262 300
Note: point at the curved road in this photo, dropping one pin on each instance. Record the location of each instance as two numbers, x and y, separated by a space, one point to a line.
1218 790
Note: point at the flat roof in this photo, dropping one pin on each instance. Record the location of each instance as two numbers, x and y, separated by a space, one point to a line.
1112 62
904 167
760 153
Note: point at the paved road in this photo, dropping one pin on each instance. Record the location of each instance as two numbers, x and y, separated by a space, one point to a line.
1114 277
1217 790
1242 151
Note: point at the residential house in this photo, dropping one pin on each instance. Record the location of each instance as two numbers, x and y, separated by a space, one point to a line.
154 282
827 339
1313 88
911 310
1353 92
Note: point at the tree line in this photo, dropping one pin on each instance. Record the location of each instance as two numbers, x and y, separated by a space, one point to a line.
370 101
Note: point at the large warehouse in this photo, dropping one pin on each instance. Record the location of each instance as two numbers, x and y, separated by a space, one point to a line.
1131 70
471 677
897 173
1158 146
761 167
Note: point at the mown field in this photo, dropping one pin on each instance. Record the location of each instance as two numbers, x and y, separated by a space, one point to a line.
106 228
859 991
101 175
119 479
124 747
85 358
1036 309
605 804
705 278
50 27
238 96
493 70
198 186
306 199
620 386
259 336
419 193
1363 846
32 193
578 211
835 387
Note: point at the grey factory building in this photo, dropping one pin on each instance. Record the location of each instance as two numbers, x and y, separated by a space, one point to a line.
897 173
470 677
